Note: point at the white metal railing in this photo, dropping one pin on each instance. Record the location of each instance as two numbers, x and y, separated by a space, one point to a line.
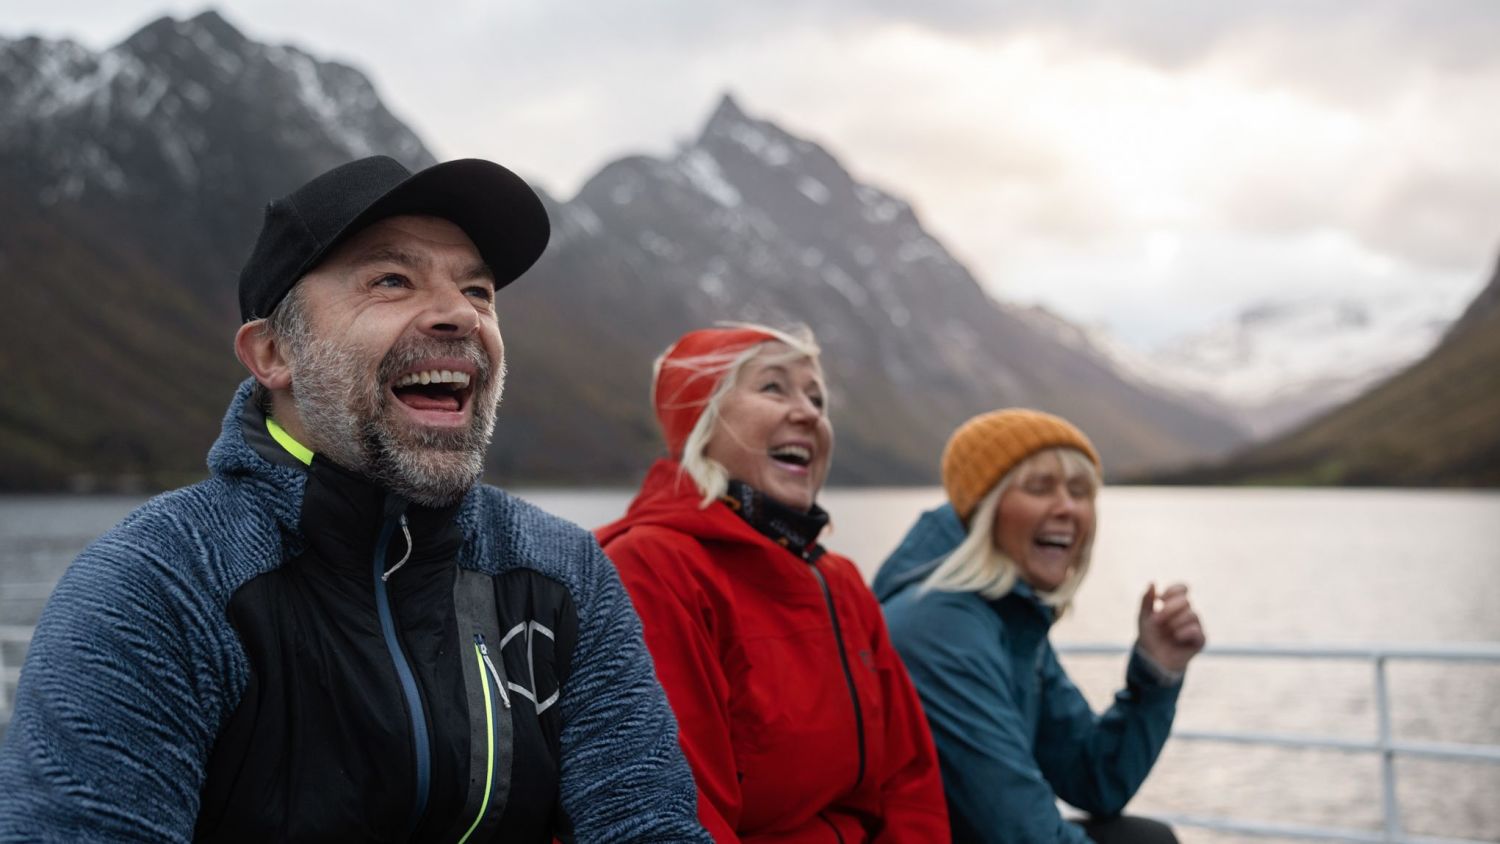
13 634
9 674
1383 744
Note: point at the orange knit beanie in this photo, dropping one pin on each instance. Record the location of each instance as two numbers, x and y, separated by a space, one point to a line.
987 446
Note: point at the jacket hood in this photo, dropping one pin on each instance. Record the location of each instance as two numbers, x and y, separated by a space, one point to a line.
669 498
934 536
936 533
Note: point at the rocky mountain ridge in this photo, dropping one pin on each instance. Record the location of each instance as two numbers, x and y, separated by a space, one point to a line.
137 176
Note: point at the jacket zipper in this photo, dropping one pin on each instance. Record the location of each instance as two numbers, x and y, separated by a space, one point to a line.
396 516
838 637
484 654
482 659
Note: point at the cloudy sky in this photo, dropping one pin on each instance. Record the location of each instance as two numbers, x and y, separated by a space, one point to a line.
1146 166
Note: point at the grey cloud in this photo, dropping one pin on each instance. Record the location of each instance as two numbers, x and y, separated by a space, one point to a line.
1445 217
1341 52
1174 32
1448 219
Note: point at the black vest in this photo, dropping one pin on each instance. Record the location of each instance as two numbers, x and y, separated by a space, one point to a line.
418 707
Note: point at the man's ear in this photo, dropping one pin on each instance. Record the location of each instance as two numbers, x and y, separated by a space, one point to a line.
260 352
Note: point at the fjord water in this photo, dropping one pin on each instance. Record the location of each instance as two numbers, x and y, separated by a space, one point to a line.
1265 566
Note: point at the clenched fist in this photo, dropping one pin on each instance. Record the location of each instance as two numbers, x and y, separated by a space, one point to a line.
1170 632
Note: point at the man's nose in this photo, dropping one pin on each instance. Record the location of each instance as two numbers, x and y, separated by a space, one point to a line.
449 313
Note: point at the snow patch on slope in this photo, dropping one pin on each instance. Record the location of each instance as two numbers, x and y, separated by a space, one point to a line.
774 152
1281 347
332 107
704 173
1282 362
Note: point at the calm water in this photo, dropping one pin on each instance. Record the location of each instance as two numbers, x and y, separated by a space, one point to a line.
1264 566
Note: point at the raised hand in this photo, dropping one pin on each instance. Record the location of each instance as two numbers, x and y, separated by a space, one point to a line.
1170 632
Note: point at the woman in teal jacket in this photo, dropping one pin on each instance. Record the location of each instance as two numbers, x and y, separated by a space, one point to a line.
969 597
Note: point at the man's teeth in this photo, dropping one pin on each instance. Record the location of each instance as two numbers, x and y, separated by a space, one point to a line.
433 376
792 453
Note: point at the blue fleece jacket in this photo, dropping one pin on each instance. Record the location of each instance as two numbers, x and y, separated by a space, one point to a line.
134 666
1012 731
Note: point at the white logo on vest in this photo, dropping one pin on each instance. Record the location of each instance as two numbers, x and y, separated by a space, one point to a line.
529 628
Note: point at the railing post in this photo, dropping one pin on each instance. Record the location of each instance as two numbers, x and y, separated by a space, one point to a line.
1387 754
4 679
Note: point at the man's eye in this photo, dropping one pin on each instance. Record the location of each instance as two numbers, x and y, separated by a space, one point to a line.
817 401
392 280
481 292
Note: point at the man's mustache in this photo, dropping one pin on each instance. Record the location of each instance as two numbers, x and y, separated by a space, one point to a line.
408 353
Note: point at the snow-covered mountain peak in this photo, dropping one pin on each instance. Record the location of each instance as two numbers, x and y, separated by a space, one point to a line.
753 222
749 163
206 35
1281 361
1281 346
137 119
762 139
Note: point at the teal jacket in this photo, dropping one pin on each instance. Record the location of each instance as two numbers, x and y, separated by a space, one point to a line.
1012 731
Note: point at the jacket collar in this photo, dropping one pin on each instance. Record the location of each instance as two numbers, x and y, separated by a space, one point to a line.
344 514
336 512
936 533
278 485
1023 601
669 498
793 530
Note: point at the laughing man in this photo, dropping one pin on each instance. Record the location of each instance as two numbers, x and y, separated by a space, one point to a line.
341 636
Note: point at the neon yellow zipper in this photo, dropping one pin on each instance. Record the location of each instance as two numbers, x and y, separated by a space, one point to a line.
489 730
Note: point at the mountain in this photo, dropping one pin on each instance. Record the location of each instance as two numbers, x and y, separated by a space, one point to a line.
1282 362
750 222
136 176
131 181
1436 423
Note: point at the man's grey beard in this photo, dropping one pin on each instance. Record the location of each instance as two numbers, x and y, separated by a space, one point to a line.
349 418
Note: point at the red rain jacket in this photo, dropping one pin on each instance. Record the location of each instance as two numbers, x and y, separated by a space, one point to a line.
799 722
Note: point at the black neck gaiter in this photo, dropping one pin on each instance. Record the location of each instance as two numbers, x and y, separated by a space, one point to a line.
795 531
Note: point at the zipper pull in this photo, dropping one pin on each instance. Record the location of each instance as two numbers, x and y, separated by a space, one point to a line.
404 557
484 654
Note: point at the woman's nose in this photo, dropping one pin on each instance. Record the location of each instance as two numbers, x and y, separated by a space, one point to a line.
1064 502
804 409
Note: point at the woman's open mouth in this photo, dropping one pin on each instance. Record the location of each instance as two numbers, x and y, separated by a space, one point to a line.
794 457
1054 546
1056 540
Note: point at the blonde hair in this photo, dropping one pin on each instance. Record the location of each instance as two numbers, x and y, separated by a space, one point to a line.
711 478
978 564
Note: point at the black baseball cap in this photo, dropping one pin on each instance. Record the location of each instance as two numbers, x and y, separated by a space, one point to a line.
494 207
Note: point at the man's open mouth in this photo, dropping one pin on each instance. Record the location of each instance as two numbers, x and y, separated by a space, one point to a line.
433 389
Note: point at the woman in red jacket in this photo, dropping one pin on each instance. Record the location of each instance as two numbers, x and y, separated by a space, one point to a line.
795 712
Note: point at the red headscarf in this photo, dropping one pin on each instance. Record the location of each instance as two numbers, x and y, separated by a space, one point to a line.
681 392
